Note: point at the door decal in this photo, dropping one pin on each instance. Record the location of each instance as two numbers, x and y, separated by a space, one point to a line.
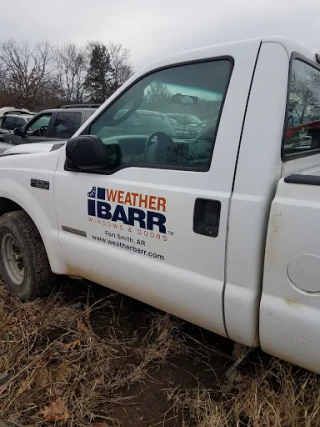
130 220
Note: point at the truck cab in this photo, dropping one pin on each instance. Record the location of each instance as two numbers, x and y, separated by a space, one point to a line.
219 229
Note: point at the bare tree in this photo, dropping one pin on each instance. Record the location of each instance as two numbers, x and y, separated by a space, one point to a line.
4 94
27 70
39 76
302 99
119 60
70 65
157 96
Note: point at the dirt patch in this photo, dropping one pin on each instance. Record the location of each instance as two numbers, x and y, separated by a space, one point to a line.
91 357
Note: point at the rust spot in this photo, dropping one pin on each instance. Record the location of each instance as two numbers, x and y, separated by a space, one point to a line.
291 302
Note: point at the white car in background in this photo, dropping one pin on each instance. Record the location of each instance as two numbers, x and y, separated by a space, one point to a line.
12 121
11 118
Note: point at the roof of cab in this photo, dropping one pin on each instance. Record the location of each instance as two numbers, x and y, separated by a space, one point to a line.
212 50
206 52
291 46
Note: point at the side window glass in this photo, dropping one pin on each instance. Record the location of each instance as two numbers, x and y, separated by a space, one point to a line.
76 123
168 118
302 128
39 127
8 123
89 113
64 125
20 122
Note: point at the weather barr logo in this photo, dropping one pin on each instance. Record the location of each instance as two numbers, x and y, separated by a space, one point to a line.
131 209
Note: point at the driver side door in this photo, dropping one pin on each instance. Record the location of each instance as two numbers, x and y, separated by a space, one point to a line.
152 223
37 129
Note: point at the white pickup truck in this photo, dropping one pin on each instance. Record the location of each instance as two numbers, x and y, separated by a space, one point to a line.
222 230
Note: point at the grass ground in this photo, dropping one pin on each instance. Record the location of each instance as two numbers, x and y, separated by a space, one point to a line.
90 357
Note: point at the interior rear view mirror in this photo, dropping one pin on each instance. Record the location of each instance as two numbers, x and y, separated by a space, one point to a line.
178 98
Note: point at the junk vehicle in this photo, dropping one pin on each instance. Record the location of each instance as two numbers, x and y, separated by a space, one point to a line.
221 229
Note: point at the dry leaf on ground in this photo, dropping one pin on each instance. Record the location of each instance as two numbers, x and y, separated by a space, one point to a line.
73 344
83 327
11 322
47 359
100 380
57 411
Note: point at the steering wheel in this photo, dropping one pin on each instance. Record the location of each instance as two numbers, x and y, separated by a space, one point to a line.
43 130
40 131
163 150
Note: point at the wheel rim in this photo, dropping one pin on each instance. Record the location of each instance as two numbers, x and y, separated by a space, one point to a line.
12 259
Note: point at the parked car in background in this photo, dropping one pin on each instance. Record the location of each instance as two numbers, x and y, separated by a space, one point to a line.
49 125
13 110
304 134
11 117
12 121
140 123
72 106
187 125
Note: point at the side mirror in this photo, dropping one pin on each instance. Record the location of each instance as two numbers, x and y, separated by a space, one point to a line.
88 153
18 132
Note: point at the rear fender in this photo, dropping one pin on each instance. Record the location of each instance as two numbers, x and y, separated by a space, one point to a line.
290 306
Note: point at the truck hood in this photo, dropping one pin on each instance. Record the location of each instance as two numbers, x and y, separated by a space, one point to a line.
37 147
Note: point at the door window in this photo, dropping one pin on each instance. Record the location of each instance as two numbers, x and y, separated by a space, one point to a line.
20 121
8 123
169 118
76 123
66 124
89 113
39 127
302 129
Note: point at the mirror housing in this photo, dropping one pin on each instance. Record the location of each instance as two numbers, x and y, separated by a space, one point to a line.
19 132
89 153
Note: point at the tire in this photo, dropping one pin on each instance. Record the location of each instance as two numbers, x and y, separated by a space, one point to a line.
24 264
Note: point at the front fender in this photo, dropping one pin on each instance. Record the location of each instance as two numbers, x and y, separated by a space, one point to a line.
16 173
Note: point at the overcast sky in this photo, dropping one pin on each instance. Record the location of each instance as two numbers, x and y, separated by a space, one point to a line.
152 29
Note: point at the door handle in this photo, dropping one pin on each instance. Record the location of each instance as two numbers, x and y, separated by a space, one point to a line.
206 217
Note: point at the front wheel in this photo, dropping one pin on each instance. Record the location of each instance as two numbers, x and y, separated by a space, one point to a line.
24 264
